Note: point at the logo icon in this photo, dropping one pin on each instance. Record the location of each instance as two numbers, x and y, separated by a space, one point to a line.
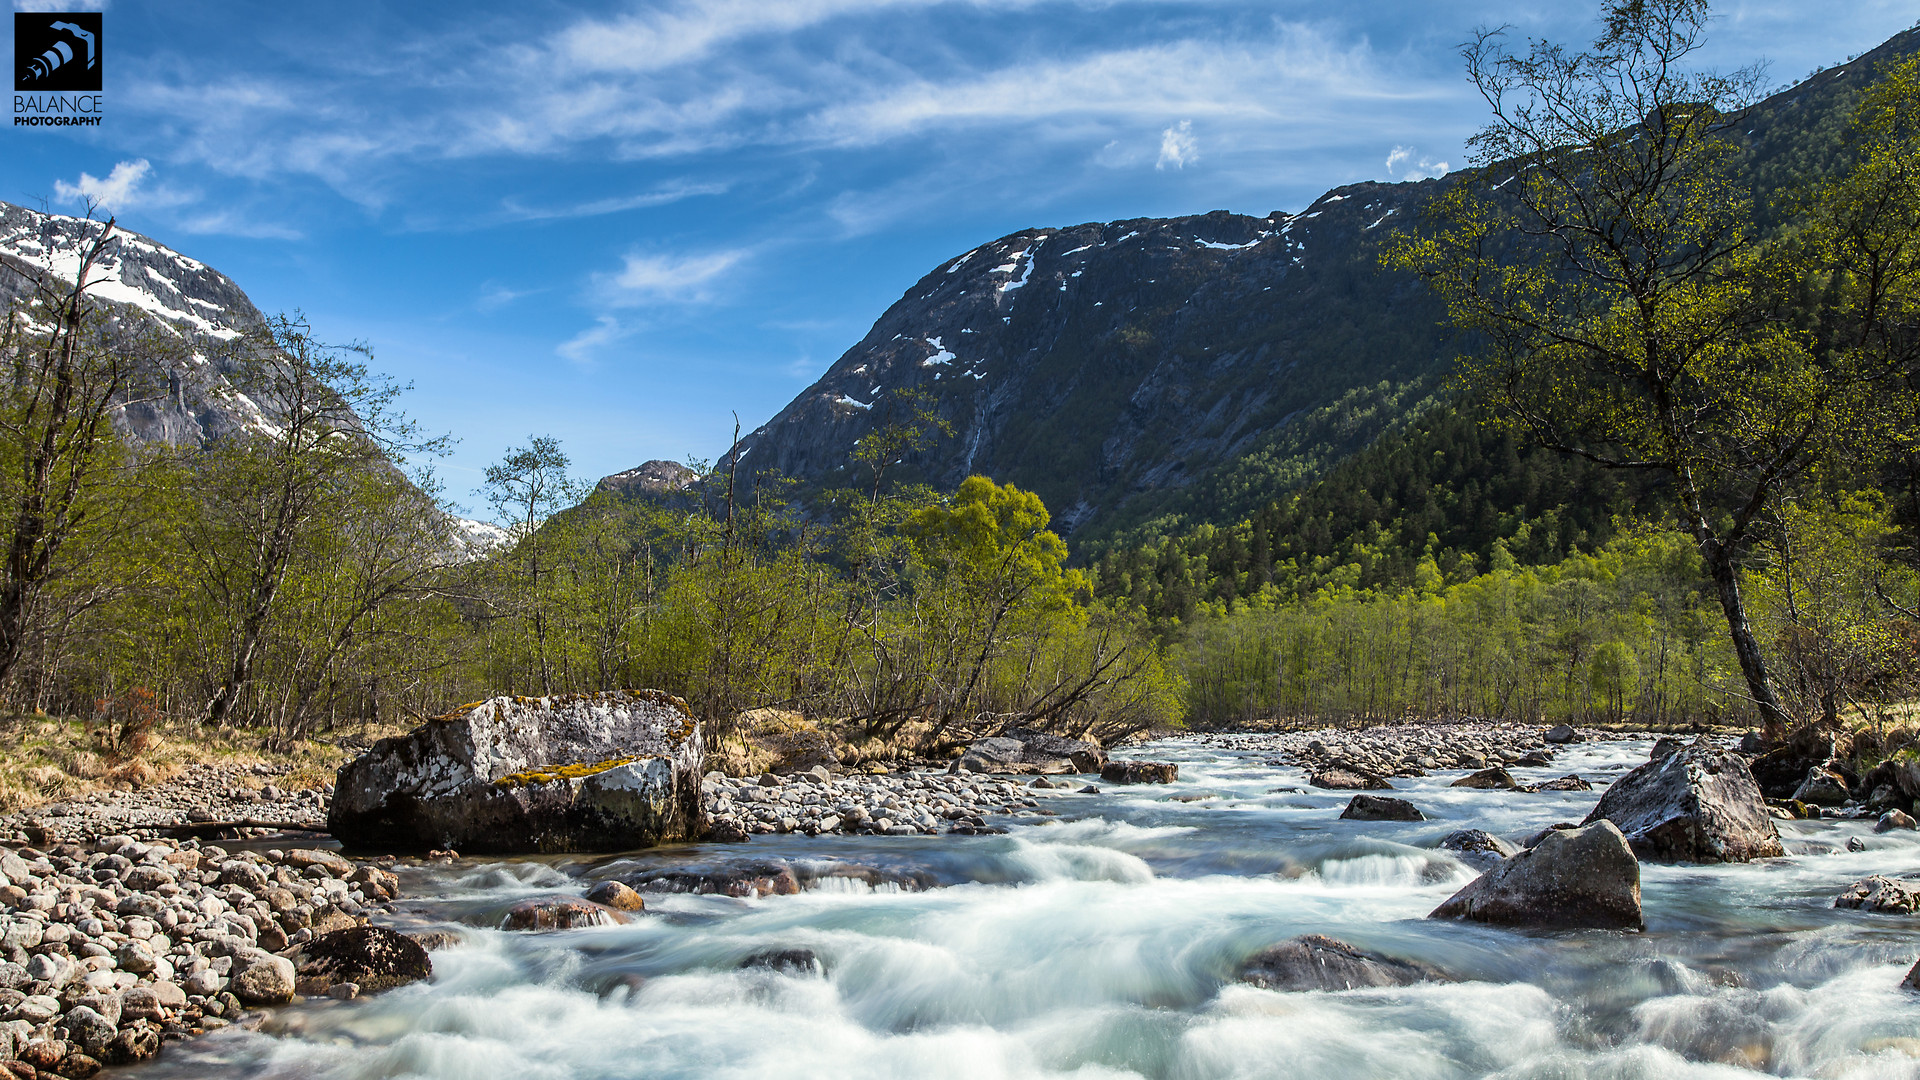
55 52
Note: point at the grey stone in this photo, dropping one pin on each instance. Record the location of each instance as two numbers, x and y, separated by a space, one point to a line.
1822 787
1381 808
1894 819
1314 962
1882 895
584 772
1476 848
261 978
1583 877
1699 805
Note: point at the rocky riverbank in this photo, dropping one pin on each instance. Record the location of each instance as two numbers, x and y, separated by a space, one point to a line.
110 949
1390 750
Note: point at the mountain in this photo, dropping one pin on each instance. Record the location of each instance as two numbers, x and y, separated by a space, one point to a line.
1146 375
148 282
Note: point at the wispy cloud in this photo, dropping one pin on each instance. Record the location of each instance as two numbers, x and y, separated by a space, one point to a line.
672 193
646 279
580 348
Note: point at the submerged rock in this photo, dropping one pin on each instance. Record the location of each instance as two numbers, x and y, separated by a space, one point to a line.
1699 804
373 958
1584 877
1381 808
1314 962
1488 779
1139 772
1477 849
582 772
1882 895
784 961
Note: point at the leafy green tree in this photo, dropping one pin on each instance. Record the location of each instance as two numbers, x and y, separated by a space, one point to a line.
325 430
1603 257
527 488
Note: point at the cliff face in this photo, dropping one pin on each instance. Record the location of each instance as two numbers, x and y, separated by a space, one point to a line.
1196 366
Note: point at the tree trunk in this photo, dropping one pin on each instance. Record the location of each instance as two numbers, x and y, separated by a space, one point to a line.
1753 665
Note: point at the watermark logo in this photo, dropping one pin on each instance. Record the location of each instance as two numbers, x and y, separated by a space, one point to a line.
56 68
56 52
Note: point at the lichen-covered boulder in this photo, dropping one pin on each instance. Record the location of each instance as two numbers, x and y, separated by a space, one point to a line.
1698 805
609 771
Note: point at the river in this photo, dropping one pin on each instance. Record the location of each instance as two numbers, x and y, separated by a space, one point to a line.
1103 943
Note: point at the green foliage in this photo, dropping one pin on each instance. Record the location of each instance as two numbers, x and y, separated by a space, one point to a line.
1623 633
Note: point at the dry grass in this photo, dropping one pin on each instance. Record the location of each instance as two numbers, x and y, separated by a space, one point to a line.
44 759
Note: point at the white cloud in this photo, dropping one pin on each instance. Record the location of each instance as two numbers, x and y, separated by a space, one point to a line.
1401 165
1177 146
645 279
118 192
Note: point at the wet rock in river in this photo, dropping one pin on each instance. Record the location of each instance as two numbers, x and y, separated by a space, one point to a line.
1583 877
1568 782
559 913
584 772
1494 779
1477 849
1881 895
1699 804
1083 755
1347 780
1140 772
1381 808
616 895
1822 787
1895 819
1912 981
1561 734
784 961
373 958
1315 962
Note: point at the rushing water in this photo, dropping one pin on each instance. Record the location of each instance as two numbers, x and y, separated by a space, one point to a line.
1103 943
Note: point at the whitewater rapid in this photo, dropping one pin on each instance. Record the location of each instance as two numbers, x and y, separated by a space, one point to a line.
1104 943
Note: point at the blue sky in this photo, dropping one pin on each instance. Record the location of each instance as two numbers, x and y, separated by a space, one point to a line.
621 223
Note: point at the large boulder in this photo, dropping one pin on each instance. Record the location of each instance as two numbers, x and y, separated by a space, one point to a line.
1139 772
373 958
609 771
1044 748
1573 878
1314 962
1698 805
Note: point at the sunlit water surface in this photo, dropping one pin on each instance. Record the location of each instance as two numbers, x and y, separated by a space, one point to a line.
1103 943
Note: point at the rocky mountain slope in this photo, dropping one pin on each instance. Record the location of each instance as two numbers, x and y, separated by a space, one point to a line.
148 282
1187 369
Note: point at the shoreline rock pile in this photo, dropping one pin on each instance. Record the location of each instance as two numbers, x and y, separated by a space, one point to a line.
899 804
1365 759
236 800
109 950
